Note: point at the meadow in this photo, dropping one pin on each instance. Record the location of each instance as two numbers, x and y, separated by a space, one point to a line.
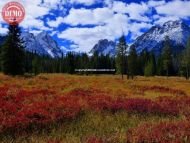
60 108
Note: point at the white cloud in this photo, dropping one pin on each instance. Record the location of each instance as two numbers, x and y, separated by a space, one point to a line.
109 21
34 8
134 10
108 3
85 2
79 16
175 8
86 38
119 6
3 30
54 4
155 3
87 16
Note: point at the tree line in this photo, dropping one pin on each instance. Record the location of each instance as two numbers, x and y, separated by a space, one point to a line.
16 61
146 63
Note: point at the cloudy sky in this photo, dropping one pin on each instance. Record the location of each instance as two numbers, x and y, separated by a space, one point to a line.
79 24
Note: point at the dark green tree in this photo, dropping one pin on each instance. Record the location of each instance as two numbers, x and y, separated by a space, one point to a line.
121 56
132 62
36 65
143 59
70 58
150 68
167 56
186 60
12 55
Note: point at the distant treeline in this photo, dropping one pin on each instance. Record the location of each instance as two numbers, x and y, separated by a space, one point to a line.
68 63
16 61
167 63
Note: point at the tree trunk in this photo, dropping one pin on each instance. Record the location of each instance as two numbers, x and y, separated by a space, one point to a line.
187 73
127 76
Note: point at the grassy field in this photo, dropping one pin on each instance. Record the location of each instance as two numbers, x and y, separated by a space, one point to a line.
56 108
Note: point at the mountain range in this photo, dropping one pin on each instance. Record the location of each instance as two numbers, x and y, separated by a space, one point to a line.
152 40
41 44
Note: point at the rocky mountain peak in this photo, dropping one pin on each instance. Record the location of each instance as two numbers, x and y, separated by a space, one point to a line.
153 39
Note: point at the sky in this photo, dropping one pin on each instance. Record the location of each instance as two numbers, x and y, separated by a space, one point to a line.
79 24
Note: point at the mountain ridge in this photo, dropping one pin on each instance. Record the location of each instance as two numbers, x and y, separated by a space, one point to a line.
42 44
104 47
153 39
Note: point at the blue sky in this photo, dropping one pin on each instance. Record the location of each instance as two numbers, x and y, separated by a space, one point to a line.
79 24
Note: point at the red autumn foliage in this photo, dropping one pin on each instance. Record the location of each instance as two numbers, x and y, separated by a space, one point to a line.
21 108
170 132
94 140
131 105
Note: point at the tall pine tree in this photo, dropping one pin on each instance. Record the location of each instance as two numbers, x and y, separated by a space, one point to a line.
132 62
186 60
121 56
12 54
167 56
150 68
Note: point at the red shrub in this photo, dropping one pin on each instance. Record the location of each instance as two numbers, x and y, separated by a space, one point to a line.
175 132
144 106
21 108
99 102
94 140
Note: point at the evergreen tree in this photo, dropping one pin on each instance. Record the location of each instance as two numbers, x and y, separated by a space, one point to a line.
12 54
150 68
121 56
143 59
167 56
95 60
36 65
186 60
70 58
84 62
132 62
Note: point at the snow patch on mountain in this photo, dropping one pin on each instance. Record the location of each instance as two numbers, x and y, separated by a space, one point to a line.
41 44
153 39
105 47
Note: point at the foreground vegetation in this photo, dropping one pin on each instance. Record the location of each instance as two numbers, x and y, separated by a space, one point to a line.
55 108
